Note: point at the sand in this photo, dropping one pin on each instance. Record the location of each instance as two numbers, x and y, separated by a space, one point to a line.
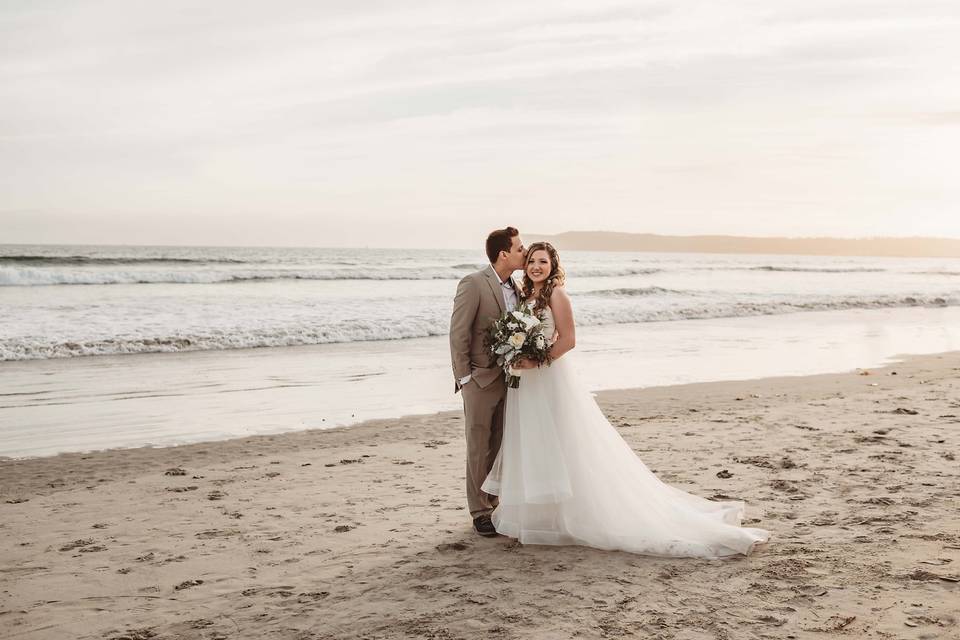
362 532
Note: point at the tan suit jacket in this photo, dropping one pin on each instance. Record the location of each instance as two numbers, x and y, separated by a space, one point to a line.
477 305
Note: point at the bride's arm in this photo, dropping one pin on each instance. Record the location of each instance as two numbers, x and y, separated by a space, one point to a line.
563 317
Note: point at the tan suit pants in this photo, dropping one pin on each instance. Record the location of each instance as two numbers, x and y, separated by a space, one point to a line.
483 417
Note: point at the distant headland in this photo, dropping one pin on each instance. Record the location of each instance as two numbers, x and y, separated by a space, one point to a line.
914 247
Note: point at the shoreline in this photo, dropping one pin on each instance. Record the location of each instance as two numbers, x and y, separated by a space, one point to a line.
374 424
361 531
90 404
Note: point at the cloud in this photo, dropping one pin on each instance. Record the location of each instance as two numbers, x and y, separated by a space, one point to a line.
762 112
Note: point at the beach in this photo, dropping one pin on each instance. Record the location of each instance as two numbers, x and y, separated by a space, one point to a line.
250 252
361 532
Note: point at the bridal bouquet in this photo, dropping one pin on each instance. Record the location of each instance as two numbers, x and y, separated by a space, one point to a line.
517 334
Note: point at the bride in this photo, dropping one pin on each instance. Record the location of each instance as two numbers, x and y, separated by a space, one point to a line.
565 476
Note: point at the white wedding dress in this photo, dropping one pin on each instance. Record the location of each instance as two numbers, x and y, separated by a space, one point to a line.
564 475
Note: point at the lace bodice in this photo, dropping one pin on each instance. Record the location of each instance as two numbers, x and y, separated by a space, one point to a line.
549 326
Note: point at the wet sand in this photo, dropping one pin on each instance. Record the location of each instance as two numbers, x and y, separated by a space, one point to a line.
362 532
163 399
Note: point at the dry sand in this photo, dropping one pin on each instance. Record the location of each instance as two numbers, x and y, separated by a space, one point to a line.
361 532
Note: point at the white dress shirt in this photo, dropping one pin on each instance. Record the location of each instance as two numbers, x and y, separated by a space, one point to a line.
509 294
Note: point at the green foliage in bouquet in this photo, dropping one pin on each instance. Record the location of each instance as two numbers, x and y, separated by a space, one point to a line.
517 334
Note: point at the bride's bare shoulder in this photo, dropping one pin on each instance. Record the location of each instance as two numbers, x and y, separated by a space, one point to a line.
560 292
559 299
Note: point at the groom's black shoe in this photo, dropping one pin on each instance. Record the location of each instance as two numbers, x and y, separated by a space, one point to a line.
483 526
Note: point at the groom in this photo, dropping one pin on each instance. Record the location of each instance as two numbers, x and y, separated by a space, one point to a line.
481 298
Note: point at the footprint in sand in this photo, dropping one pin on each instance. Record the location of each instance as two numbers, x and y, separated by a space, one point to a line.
833 623
200 623
283 591
790 569
809 590
216 533
146 633
70 546
179 558
311 596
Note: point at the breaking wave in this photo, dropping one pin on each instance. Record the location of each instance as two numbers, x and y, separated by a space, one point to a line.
626 310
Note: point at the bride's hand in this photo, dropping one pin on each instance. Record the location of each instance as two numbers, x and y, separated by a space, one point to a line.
524 363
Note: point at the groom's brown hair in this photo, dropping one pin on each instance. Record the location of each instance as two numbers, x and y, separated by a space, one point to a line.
500 240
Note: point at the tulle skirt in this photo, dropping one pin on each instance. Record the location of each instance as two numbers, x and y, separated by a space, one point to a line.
564 476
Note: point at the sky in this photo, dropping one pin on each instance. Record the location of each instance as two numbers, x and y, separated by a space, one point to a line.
425 124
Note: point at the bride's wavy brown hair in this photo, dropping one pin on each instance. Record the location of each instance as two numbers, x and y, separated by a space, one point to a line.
556 278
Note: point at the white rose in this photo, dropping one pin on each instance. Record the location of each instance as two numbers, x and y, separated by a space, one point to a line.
517 340
541 342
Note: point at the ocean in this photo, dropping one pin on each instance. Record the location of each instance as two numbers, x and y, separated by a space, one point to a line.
104 347
68 301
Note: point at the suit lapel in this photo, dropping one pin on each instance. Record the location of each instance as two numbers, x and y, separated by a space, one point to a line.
494 281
